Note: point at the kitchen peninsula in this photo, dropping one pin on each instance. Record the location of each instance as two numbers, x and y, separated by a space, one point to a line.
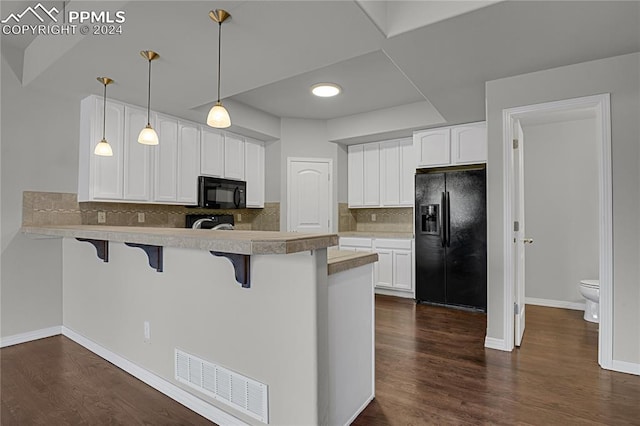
292 344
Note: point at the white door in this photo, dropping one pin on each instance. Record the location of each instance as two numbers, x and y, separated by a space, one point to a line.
519 233
309 195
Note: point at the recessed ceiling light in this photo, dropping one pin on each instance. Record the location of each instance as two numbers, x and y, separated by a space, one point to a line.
325 90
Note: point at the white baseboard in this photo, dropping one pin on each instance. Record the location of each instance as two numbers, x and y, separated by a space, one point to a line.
29 336
498 344
625 367
179 395
360 410
397 293
576 306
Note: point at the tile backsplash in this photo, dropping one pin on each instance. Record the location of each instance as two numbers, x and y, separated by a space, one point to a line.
54 208
386 219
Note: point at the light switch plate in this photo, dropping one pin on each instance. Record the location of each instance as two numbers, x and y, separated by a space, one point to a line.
140 217
102 217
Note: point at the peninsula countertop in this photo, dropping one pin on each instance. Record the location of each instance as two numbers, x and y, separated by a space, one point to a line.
236 241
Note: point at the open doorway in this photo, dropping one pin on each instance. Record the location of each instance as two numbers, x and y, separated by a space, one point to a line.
594 110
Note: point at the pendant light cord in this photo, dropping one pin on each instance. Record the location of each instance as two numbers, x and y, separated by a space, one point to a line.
219 53
104 111
149 97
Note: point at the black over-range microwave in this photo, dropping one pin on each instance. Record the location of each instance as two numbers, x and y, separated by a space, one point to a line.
216 193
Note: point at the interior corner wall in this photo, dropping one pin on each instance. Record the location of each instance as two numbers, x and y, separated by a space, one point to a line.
305 138
273 166
561 208
39 153
619 76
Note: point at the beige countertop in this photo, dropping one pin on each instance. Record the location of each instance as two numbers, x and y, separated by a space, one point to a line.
375 234
343 260
239 242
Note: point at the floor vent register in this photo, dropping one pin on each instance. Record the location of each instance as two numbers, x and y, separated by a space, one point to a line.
230 388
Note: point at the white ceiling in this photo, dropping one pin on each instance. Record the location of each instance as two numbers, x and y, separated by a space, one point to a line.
438 52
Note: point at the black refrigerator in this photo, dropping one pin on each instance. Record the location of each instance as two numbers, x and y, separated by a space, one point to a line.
451 237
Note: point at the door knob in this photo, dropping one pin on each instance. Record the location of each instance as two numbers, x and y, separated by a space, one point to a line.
527 240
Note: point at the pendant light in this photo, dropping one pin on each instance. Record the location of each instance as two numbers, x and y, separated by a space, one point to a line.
218 115
148 136
103 148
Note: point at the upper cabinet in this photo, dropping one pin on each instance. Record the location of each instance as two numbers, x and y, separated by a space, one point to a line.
381 174
177 161
166 173
212 153
465 144
254 172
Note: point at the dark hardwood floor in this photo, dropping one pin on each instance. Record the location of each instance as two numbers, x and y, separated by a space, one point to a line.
431 368
56 382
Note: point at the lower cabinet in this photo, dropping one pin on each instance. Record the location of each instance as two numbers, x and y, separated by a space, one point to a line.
393 273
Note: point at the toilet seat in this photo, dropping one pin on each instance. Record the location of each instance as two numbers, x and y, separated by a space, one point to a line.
590 283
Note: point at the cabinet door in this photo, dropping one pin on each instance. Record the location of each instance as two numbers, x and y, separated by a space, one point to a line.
233 157
402 270
166 173
188 163
371 174
107 173
469 144
355 166
407 172
211 153
390 173
254 172
137 157
433 147
384 276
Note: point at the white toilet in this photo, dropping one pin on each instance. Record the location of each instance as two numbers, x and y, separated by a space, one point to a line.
590 290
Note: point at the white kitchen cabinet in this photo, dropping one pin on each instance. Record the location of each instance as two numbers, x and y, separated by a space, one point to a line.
389 173
177 161
233 157
137 157
212 153
450 146
371 175
188 163
166 172
402 269
254 172
396 173
393 273
364 175
100 178
407 172
469 144
381 174
355 157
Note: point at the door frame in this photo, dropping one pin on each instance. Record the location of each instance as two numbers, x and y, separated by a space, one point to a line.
328 161
600 104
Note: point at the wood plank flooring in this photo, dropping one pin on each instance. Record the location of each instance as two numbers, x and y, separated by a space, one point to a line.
55 382
431 368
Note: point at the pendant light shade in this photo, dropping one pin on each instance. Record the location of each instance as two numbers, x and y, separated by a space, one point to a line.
103 148
218 115
148 136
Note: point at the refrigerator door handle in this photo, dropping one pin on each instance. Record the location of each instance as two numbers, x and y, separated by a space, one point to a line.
448 209
443 221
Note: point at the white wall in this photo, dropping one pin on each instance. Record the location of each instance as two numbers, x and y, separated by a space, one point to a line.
619 76
301 138
561 208
39 152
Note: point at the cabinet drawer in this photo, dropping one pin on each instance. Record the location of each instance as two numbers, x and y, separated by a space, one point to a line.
393 243
355 242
